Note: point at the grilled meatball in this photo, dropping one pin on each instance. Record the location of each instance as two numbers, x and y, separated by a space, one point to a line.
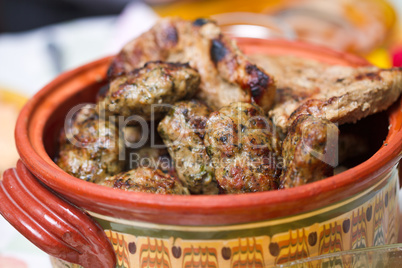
90 148
226 73
309 151
244 148
146 180
182 130
146 91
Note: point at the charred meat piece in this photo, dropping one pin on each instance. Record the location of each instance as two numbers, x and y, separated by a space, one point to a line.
309 151
148 91
341 94
146 180
183 131
90 148
226 74
244 149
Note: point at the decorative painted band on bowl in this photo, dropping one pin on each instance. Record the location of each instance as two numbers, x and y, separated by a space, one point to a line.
364 220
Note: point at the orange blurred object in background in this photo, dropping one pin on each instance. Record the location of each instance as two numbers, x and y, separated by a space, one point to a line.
357 26
364 27
10 104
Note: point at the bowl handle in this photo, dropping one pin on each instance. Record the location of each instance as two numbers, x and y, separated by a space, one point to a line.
51 223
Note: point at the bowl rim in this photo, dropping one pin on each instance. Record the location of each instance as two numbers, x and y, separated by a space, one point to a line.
271 204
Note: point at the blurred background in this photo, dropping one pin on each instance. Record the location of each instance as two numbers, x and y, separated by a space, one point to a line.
39 39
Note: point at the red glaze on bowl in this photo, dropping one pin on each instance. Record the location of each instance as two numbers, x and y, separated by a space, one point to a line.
42 118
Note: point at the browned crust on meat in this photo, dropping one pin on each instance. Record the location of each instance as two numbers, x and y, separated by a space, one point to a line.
226 74
91 147
152 45
236 68
340 94
146 180
244 149
378 90
309 151
146 91
183 130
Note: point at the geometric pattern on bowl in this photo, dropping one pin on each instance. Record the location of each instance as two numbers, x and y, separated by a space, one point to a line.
365 220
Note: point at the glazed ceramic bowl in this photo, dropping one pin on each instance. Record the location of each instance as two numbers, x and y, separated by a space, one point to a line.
80 222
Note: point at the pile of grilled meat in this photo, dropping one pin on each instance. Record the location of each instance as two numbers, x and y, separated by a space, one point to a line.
227 125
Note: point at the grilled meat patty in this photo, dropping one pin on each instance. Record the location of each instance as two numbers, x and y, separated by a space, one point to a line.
226 74
340 94
244 149
148 91
146 180
309 151
90 148
183 130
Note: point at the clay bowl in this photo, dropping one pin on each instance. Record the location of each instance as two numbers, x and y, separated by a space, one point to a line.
94 226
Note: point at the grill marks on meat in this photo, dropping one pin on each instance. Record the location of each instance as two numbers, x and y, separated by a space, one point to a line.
146 91
244 149
235 68
309 151
370 90
201 21
233 150
218 51
226 74
338 93
90 149
146 180
183 130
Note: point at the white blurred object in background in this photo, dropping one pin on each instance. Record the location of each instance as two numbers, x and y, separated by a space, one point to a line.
28 61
